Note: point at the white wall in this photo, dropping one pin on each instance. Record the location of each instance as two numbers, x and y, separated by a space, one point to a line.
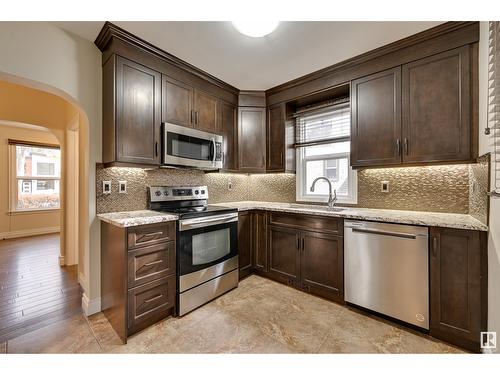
485 144
50 56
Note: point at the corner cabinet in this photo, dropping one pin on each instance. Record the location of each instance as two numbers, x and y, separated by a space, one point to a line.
458 286
227 127
131 112
252 139
420 112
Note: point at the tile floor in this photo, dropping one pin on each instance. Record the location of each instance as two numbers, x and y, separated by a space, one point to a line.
260 316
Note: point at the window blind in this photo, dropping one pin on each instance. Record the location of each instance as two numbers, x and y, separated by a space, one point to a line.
494 100
328 125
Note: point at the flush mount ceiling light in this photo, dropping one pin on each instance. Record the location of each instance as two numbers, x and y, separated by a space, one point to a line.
255 29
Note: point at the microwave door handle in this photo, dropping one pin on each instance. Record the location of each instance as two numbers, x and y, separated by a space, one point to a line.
214 152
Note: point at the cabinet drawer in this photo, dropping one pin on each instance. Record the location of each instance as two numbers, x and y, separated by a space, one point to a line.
146 235
308 222
150 303
147 264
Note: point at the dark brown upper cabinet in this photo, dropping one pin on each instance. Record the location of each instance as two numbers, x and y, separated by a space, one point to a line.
252 139
131 113
177 102
376 119
226 126
276 138
458 286
437 108
205 111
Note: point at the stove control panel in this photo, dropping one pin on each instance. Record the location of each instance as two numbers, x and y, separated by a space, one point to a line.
175 193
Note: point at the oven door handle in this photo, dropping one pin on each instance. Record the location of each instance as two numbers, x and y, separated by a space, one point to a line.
207 221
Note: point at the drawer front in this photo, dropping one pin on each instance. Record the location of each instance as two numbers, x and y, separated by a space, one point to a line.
150 263
308 222
146 235
150 302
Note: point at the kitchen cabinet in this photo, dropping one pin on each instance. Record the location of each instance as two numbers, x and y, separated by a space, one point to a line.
227 127
307 252
458 286
252 139
138 275
436 108
245 244
284 254
177 102
259 241
275 138
205 111
420 112
376 119
131 112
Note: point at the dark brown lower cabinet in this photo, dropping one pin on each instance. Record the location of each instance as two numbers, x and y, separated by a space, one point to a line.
138 275
458 286
311 261
322 265
245 252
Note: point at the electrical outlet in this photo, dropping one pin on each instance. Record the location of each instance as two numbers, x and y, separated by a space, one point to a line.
106 187
230 185
384 186
122 187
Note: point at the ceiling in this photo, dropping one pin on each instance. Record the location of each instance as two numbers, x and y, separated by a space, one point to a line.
291 51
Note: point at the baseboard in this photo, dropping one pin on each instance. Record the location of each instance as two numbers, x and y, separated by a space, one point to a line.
90 307
29 232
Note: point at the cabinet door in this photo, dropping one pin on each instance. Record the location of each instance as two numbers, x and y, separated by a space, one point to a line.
260 241
252 139
276 139
322 265
244 243
436 108
205 111
138 100
177 100
229 131
458 276
376 119
284 254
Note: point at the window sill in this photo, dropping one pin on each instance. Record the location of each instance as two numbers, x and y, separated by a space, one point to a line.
33 211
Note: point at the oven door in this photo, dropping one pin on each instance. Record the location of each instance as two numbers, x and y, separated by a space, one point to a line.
206 242
191 148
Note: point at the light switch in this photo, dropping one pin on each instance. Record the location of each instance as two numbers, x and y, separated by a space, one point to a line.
106 187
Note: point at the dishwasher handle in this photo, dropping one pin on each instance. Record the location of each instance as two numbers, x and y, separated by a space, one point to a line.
386 233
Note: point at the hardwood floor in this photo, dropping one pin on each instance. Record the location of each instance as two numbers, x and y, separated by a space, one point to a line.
34 290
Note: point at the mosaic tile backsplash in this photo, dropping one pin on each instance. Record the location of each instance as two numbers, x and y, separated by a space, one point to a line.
431 188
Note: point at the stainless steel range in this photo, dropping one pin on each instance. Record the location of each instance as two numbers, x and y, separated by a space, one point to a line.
207 244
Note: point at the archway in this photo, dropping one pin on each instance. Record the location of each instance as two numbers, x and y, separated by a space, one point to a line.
28 102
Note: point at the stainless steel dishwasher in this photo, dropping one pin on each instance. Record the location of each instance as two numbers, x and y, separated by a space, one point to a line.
386 269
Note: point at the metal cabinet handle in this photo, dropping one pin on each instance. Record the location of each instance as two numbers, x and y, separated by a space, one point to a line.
406 146
398 146
298 243
303 244
196 117
153 299
192 117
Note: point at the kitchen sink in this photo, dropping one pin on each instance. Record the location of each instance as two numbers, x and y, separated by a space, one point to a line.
316 207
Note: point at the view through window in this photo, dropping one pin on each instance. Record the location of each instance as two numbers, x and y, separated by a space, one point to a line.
38 175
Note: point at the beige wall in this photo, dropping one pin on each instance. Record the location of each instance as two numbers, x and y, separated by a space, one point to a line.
485 145
29 223
41 55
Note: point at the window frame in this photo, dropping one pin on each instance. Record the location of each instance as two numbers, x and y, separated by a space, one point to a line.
14 178
302 193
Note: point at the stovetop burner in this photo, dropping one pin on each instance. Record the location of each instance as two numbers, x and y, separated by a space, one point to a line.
187 202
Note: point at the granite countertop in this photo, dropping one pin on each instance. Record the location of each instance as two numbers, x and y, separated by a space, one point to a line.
458 221
134 218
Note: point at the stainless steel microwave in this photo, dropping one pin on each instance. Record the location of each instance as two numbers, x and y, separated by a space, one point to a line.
188 147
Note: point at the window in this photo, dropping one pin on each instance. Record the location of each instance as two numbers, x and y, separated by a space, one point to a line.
36 176
323 150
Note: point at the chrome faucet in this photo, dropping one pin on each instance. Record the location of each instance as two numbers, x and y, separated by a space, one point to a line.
332 199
